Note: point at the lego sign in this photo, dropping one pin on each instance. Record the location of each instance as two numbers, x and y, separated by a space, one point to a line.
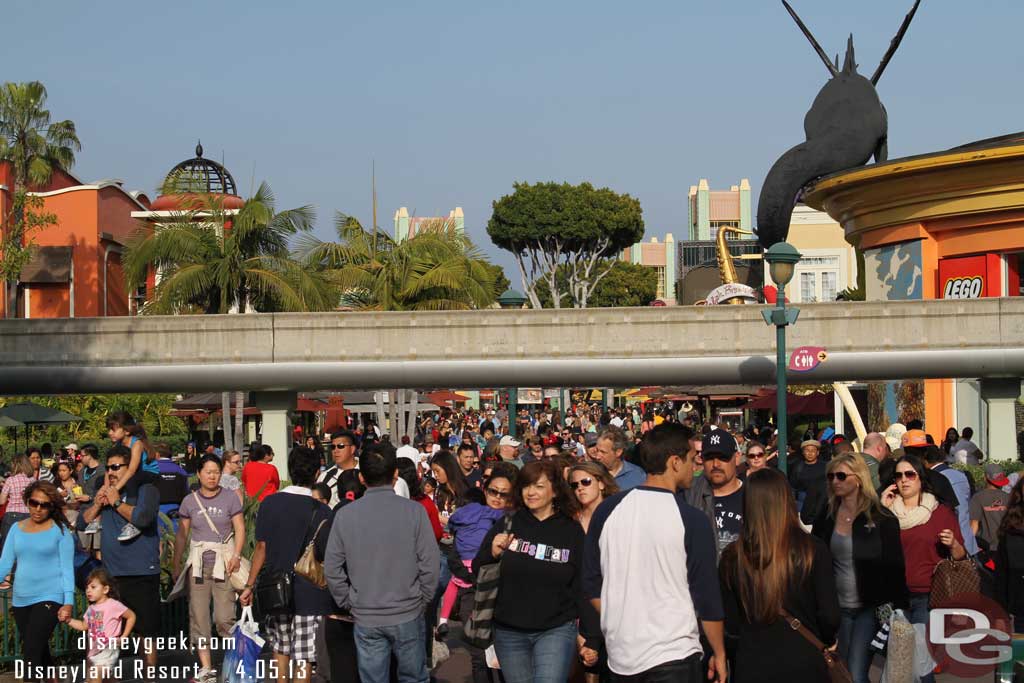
969 277
964 288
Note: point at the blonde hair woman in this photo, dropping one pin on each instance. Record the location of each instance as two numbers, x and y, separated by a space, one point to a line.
867 557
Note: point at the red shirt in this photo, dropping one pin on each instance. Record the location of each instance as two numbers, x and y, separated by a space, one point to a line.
921 548
256 475
435 520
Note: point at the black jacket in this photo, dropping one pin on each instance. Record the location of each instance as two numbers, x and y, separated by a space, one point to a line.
877 557
1010 573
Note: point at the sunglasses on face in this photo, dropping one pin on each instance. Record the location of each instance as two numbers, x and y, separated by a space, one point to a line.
501 495
757 454
585 481
339 446
841 476
43 504
909 475
116 466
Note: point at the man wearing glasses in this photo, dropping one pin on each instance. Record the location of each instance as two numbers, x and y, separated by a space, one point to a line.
343 453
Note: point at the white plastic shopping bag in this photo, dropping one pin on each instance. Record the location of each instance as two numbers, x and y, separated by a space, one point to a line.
492 658
900 651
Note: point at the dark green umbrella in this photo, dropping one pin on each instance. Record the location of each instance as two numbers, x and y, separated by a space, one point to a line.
26 414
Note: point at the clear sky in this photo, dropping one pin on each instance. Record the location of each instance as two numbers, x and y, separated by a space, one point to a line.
456 100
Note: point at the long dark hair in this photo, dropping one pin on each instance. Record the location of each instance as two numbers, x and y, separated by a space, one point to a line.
451 493
57 500
773 551
407 471
1013 520
124 420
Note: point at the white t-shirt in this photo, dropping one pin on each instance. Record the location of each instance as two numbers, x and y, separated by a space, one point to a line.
616 422
408 451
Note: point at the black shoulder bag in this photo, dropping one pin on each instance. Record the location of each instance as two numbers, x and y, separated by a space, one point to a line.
275 590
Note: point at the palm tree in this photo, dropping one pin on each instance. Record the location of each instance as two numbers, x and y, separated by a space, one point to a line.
438 269
210 261
34 146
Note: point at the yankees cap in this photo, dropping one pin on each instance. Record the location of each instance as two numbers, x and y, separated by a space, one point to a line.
718 441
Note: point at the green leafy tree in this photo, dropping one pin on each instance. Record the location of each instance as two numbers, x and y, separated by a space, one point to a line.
34 145
501 283
548 225
626 284
437 269
212 261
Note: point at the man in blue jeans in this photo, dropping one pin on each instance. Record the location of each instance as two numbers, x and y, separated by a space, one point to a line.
383 530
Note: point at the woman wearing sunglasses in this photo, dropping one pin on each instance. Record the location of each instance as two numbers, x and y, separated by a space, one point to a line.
591 483
867 557
44 585
925 526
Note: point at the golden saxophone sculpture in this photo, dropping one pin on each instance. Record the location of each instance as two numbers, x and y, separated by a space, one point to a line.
727 269
726 265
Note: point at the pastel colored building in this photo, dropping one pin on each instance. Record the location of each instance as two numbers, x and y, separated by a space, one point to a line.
75 270
710 209
407 226
828 263
944 225
662 257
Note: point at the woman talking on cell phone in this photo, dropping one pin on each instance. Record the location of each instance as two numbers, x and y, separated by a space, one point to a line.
925 527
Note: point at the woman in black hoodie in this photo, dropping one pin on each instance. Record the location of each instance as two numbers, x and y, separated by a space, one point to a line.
539 594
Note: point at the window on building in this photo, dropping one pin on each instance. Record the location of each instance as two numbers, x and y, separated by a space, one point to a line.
808 287
829 284
660 270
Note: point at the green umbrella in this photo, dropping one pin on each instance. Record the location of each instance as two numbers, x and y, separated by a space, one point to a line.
9 422
25 414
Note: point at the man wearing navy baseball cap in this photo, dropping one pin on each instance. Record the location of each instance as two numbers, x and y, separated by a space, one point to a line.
719 493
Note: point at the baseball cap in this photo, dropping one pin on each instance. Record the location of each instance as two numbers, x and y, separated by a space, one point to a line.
71 447
590 439
995 474
718 441
509 441
914 438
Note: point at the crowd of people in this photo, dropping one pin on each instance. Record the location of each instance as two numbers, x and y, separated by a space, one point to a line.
631 545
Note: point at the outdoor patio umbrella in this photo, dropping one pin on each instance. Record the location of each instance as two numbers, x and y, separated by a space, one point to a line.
28 414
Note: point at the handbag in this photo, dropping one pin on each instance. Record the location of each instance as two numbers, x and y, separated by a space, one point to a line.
837 671
951 578
478 630
275 590
240 577
310 567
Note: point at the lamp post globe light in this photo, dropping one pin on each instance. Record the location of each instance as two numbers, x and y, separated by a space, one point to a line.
782 258
511 299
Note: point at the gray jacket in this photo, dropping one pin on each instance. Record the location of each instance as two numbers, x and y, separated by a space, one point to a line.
700 496
382 562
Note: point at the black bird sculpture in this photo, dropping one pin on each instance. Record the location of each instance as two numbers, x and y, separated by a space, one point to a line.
845 127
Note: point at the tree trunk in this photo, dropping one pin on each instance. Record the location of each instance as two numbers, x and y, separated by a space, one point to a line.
379 398
410 428
393 416
239 420
398 429
225 409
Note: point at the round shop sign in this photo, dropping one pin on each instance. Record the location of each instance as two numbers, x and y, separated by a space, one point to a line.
731 291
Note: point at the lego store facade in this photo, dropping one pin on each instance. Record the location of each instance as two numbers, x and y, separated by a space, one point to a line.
946 225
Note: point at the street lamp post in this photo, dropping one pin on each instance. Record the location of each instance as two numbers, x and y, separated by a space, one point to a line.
782 258
512 300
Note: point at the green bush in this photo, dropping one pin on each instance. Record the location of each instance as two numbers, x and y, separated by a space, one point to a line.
977 472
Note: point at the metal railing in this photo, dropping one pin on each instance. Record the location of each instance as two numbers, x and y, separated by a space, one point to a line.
63 642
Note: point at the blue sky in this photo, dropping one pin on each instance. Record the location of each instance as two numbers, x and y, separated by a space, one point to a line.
456 100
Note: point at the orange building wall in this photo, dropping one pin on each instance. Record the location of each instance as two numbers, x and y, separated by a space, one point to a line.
48 301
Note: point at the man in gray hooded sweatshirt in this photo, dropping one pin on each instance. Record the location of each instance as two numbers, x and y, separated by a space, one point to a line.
382 564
